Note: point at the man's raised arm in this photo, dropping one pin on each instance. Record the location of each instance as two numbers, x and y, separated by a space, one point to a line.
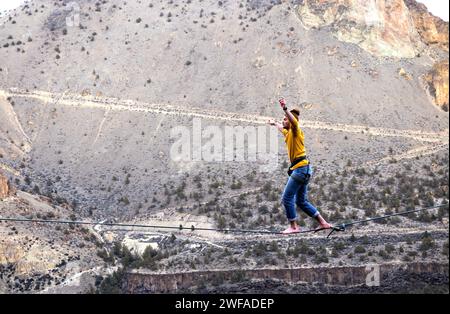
288 114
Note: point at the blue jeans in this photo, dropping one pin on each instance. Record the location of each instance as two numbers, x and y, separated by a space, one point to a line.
295 193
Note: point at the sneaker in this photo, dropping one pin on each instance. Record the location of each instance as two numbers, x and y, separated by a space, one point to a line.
291 230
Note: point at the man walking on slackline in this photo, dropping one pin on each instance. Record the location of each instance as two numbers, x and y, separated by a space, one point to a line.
295 192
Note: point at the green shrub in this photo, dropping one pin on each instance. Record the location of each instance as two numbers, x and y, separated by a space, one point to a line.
427 244
389 248
445 248
113 283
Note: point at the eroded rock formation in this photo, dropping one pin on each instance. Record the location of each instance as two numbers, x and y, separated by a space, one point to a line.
437 80
383 28
4 187
432 30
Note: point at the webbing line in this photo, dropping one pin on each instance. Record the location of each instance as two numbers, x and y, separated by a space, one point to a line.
338 227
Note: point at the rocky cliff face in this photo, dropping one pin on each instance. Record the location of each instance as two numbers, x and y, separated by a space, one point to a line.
27 259
4 188
432 30
434 33
210 63
391 28
141 282
39 258
437 80
383 28
387 28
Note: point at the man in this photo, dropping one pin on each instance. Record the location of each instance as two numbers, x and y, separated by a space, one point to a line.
295 192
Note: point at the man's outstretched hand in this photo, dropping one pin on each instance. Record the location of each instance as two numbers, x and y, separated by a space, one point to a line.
271 121
282 103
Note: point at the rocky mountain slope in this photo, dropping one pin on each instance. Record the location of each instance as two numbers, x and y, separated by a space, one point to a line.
90 92
37 257
233 57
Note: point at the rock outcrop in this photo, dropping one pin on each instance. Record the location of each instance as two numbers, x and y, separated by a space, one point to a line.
391 28
38 258
432 30
437 80
387 28
346 276
4 187
383 28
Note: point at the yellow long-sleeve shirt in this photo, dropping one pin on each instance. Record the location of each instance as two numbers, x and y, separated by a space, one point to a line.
295 144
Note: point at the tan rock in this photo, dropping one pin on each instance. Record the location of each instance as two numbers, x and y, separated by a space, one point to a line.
373 73
432 29
4 187
37 259
10 252
109 236
331 51
402 72
383 28
437 80
259 62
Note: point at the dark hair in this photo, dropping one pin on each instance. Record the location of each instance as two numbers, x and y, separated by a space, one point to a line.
295 112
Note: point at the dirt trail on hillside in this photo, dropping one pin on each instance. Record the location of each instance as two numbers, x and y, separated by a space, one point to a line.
115 104
432 142
10 170
410 154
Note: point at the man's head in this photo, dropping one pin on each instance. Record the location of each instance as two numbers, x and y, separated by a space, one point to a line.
286 124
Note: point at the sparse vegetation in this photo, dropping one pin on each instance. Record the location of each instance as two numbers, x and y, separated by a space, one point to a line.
365 185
